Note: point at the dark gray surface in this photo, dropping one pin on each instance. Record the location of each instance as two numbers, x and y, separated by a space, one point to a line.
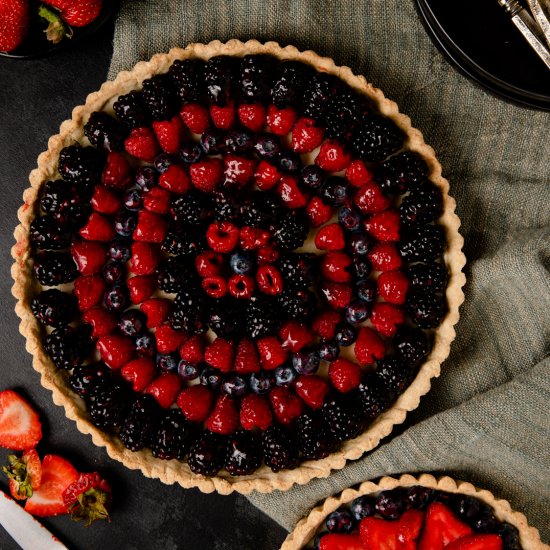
35 96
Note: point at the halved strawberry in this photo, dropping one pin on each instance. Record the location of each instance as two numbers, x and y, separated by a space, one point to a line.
25 474
476 542
334 541
20 427
441 528
88 498
379 534
57 475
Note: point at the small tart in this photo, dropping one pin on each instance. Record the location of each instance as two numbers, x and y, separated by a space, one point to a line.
26 286
307 528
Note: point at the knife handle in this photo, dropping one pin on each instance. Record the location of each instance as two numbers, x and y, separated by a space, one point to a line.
512 7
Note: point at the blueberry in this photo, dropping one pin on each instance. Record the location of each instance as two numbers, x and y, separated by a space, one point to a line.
391 504
211 378
420 497
361 267
261 382
117 298
190 152
345 334
239 141
363 507
487 523
510 537
267 146
146 178
357 312
312 176
289 162
132 322
340 521
114 272
234 385
359 243
329 350
467 507
306 361
212 142
146 345
119 250
125 223
167 361
241 262
187 370
366 291
162 162
284 375
334 191
349 219
133 199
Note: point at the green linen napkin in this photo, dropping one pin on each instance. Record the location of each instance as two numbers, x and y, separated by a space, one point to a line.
486 419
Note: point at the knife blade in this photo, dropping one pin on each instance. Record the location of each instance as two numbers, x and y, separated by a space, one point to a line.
540 16
24 529
527 26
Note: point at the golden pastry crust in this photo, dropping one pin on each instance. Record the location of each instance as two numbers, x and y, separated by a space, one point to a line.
307 528
263 480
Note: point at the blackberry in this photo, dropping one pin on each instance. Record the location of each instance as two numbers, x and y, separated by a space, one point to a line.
54 308
68 346
342 421
318 93
46 233
375 138
371 398
59 199
292 231
225 317
88 379
259 210
192 208
422 244
132 110
160 96
314 438
394 375
300 305
297 270
411 345
256 78
188 78
280 451
226 207
432 276
342 115
401 172
425 308
244 453
207 454
424 204
262 317
81 165
138 427
184 240
172 437
290 80
108 407
105 132
54 268
189 312
219 75
174 274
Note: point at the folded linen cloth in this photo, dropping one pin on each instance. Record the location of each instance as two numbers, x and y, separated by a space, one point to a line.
486 419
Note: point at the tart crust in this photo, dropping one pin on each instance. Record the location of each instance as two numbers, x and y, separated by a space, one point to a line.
263 479
306 528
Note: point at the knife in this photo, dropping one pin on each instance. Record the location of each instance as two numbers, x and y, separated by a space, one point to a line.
527 26
24 529
540 16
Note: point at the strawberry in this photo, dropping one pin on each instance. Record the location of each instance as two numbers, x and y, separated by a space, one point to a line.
193 350
79 13
115 350
271 352
157 200
338 295
393 286
195 403
290 193
238 171
214 286
325 324
141 287
57 475
252 238
157 311
105 201
14 23
209 263
252 116
336 541
97 228
358 174
195 117
89 291
142 144
476 542
151 228
345 375
384 226
165 388
140 372
255 412
88 498
169 134
369 346
318 212
379 533
223 116
117 172
410 526
385 257
306 136
103 322
20 427
280 121
330 237
206 175
219 354
168 339
295 336
312 389
222 236
286 405
370 199
24 474
246 357
269 279
145 258
224 418
266 175
175 179
89 256
334 267
332 157
441 527
385 318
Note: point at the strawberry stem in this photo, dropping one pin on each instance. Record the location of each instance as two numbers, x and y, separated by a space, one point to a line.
57 29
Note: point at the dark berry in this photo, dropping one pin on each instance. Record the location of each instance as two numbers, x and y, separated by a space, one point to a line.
372 398
162 162
146 178
239 141
132 322
235 386
211 378
510 537
61 200
219 77
119 250
131 109
172 437
87 379
291 232
342 114
212 141
394 375
207 454
192 208
80 165
335 191
486 523
290 80
349 219
400 172
224 317
183 240
391 504
420 497
114 272
363 507
423 244
267 146
146 345
261 382
424 204
366 290
289 162
241 262
226 207
314 440
340 521
411 344
280 451
190 153
306 361
140 424
188 371
312 177
297 270
299 305
54 268
109 405
262 317
329 350
426 309
259 210
133 199
68 347
357 312
359 243
341 419
188 78
160 97
244 453
173 274
105 132
433 276
168 362
54 308
117 298
318 92
361 268
345 334
285 375
376 138
125 223
47 233
256 78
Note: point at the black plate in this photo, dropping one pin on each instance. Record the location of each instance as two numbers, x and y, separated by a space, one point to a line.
483 43
36 44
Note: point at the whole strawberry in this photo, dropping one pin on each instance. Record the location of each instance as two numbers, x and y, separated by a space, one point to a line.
14 23
77 13
88 498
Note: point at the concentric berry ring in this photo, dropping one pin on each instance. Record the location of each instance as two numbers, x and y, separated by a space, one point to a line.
262 479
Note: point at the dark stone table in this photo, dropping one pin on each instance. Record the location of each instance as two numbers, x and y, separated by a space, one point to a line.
35 97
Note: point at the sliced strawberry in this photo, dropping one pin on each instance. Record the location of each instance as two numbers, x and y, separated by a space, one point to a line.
219 354
224 419
25 474
140 372
57 475
157 311
255 412
145 258
195 403
169 134
476 542
165 388
379 534
20 427
272 353
441 527
246 358
88 498
168 339
410 527
312 389
334 541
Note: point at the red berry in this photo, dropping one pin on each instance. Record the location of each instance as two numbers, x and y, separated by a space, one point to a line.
332 157
165 389
142 144
238 171
393 286
385 257
145 258
14 18
102 321
280 121
325 324
338 541
441 528
89 291
117 172
151 228
295 336
267 255
169 134
252 116
246 358
224 419
330 237
252 238
344 375
306 136
195 403
255 412
334 267
312 389
318 212
338 295
140 372
223 116
241 286
358 174
105 201
89 256
385 318
115 350
141 287
369 346
266 175
476 542
175 179
286 405
168 339
97 228
271 352
207 175
209 263
370 199
157 311
214 286
222 236
269 279
384 225
219 354
195 117
157 200
193 350
290 193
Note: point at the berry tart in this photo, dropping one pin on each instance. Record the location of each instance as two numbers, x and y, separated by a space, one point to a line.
411 513
238 266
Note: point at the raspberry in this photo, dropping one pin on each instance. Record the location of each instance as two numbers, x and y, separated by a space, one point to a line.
142 144
165 389
255 412
139 372
370 199
97 228
312 389
384 226
195 117
334 267
88 256
102 321
156 310
117 172
385 318
195 403
280 121
157 200
318 212
344 375
89 291
141 287
286 405
266 175
222 236
175 179
209 263
252 238
269 279
393 286
223 116
168 339
169 134
193 350
306 136
267 255
219 354
295 336
290 193
252 116
145 258
150 228
238 171
115 350
224 418
338 295
358 174
272 354
105 201
385 257
207 175
214 286
330 237
246 358
332 157
368 346
325 324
